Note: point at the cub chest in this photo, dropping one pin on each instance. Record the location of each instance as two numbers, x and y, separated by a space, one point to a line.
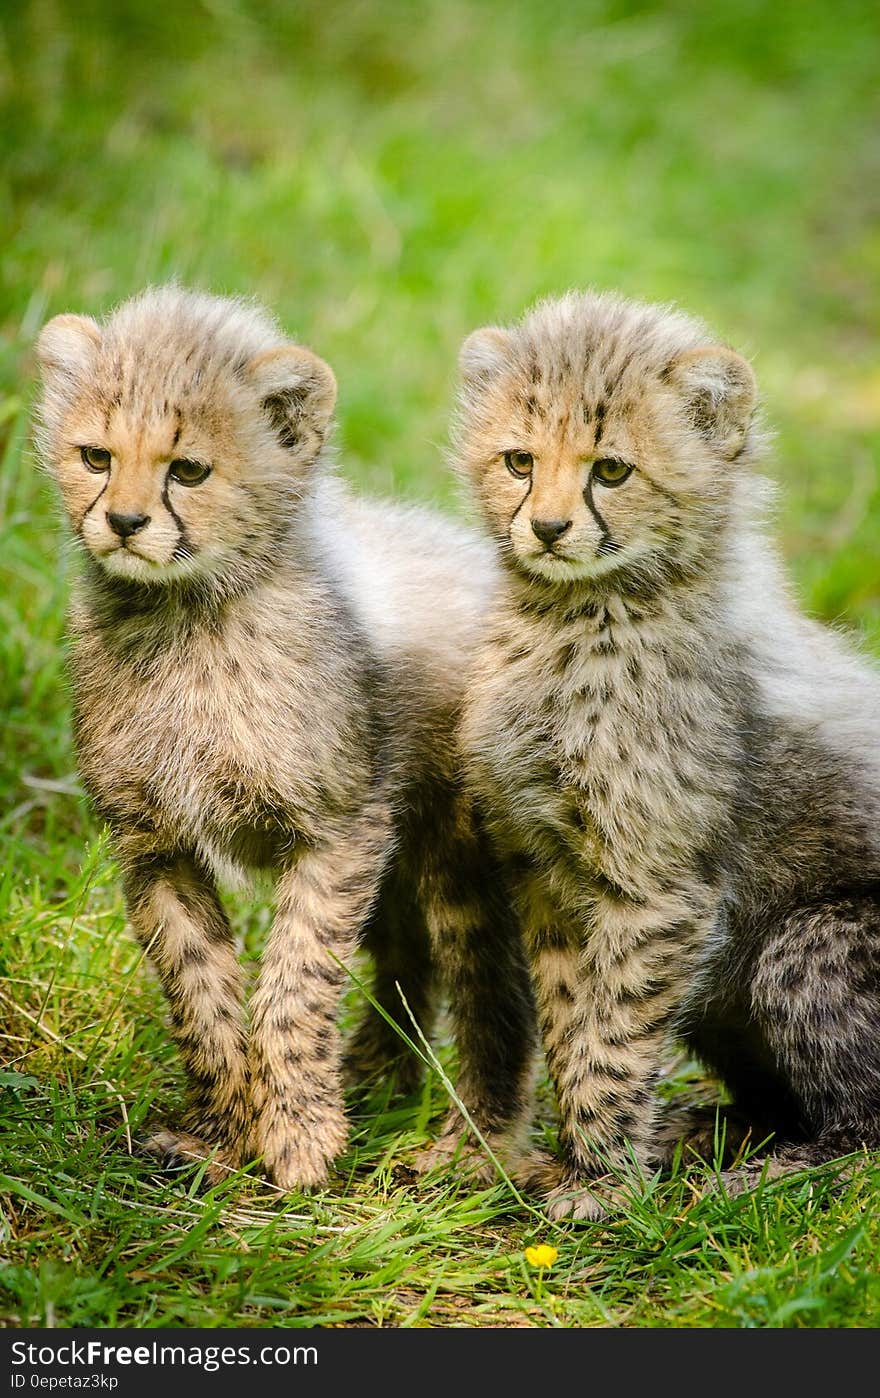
197 749
592 751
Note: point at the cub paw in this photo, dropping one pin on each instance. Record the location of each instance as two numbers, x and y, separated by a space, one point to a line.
298 1155
573 1198
177 1150
456 1149
763 1170
534 1171
706 1132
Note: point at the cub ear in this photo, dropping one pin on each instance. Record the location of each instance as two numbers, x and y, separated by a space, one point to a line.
297 392
719 391
67 345
484 354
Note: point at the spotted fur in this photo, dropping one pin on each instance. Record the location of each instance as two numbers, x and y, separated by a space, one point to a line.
268 675
684 768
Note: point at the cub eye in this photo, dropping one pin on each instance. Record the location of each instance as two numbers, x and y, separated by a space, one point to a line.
519 463
188 472
96 458
611 472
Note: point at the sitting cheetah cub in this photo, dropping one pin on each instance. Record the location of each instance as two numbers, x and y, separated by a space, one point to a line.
683 768
267 675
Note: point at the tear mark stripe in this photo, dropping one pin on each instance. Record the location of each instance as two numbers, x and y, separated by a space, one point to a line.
93 504
520 505
183 543
606 544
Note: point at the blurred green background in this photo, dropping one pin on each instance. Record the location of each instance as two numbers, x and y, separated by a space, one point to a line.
387 175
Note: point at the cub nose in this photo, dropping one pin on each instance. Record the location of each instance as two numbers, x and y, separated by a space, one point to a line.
123 525
549 530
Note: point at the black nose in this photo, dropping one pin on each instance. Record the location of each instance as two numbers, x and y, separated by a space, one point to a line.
549 530
123 525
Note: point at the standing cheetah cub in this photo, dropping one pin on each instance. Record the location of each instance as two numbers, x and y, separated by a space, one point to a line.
267 675
684 769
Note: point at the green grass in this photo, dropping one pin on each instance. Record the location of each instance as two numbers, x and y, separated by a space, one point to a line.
387 176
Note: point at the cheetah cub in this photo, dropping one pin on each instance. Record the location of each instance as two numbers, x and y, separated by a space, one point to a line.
683 768
267 675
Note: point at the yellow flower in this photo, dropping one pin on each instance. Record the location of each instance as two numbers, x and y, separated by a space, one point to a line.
542 1255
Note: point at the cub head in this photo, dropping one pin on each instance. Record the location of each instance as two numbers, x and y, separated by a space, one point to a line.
182 432
600 435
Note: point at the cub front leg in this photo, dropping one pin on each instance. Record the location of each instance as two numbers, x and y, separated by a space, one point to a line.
397 939
323 902
177 916
477 944
607 996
